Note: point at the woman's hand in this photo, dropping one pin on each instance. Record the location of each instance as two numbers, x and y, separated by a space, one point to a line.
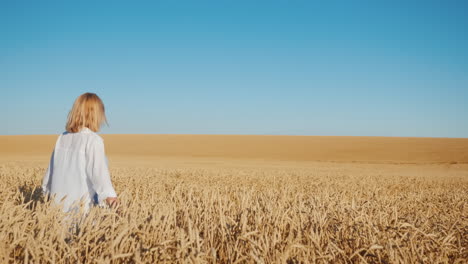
113 202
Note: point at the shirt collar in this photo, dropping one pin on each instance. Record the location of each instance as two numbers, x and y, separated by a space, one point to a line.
85 129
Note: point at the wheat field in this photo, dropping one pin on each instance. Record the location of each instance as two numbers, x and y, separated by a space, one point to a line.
219 209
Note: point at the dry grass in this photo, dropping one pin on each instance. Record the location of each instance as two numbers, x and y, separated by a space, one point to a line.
320 213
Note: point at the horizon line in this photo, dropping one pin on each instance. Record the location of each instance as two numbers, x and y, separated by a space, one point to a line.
279 135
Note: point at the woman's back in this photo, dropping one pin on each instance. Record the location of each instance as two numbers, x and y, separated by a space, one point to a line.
67 174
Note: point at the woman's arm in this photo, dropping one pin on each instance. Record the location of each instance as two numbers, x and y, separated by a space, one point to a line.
98 172
46 179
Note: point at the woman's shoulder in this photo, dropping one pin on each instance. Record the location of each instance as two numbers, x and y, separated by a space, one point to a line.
93 142
95 139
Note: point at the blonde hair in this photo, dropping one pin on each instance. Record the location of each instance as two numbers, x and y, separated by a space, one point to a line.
88 111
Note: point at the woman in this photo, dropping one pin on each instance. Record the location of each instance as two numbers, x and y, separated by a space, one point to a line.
78 175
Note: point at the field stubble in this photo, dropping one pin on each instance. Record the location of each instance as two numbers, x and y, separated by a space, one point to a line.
325 213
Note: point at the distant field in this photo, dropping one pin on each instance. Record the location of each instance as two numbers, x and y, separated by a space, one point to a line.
247 199
288 148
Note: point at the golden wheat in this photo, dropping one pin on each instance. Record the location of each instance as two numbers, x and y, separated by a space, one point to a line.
243 215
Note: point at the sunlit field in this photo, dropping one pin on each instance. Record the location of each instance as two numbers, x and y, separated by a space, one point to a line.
226 210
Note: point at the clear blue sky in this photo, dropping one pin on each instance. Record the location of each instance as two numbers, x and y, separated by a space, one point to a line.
363 68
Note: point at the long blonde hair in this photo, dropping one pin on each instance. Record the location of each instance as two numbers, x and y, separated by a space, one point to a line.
88 111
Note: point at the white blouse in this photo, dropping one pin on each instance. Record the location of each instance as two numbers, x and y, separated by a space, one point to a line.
78 171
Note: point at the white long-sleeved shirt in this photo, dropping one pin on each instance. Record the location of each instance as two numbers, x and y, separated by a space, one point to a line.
78 171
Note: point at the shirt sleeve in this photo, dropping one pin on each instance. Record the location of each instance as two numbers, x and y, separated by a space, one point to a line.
47 175
98 171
